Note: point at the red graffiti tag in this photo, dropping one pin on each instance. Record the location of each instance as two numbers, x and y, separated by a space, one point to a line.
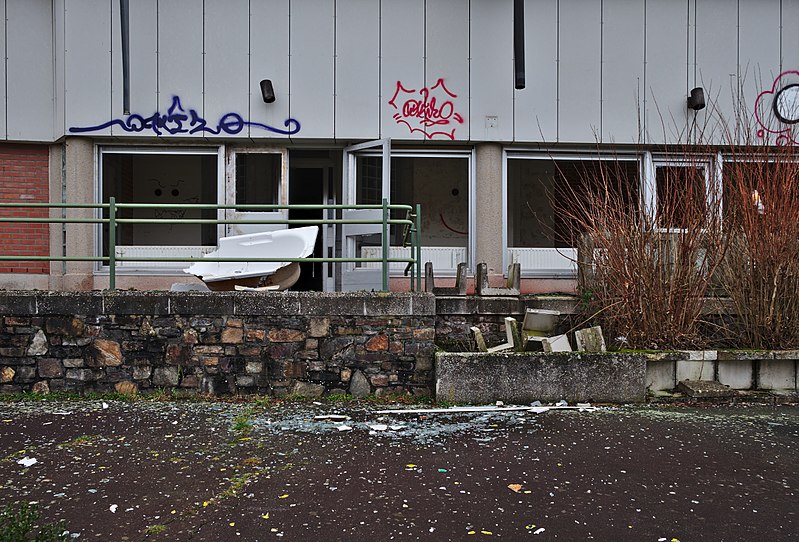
428 110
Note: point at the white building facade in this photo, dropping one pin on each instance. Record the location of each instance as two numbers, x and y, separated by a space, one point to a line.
427 86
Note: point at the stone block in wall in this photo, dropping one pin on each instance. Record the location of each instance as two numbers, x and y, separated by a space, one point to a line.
377 343
38 344
254 367
7 375
73 363
103 353
210 350
190 381
248 351
49 368
379 380
330 348
294 369
179 354
141 372
307 389
282 350
232 335
82 375
318 327
41 387
307 354
13 351
25 374
285 335
255 335
423 363
165 377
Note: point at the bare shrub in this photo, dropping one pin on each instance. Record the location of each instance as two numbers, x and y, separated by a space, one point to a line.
760 273
645 267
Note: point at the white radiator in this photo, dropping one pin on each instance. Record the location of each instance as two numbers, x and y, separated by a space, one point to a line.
131 251
545 261
445 259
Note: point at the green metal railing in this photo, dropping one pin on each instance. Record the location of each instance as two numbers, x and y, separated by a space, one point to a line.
411 233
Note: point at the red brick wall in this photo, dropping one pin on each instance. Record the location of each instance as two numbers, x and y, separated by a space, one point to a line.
24 179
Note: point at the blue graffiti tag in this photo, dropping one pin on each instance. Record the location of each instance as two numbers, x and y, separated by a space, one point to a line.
178 121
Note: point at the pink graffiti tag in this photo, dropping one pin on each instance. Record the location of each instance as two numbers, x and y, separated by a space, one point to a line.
429 110
777 109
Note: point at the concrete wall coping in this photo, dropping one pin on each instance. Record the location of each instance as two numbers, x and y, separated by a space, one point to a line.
218 303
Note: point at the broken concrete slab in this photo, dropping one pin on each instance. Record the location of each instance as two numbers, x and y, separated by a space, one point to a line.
557 343
590 339
704 389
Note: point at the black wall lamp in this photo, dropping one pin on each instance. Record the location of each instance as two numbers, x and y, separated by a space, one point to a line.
267 91
696 100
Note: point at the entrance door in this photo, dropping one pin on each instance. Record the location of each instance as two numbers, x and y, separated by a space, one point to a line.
308 188
366 180
256 178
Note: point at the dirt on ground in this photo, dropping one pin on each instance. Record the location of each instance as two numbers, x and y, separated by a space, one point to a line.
120 471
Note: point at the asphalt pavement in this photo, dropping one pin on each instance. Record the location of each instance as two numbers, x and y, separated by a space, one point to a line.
180 471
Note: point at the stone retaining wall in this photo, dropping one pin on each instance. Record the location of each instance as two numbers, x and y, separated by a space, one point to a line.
275 343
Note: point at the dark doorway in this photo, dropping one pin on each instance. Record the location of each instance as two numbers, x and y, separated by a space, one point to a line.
307 186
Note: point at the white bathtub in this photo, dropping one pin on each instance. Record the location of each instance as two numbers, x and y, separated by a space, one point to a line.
290 243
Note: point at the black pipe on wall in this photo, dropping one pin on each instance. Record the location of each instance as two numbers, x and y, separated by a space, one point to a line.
518 44
124 21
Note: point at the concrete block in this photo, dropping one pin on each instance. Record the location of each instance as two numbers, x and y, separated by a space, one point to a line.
16 303
558 343
590 339
777 375
334 304
526 377
383 304
660 375
695 370
150 303
201 303
266 303
702 355
83 303
736 374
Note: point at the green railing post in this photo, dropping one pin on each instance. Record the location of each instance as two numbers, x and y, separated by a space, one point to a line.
112 243
385 245
418 247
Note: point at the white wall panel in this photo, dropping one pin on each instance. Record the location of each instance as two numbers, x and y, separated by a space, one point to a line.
3 96
491 74
180 58
790 35
580 85
666 75
88 44
759 54
226 69
447 59
536 106
402 52
269 59
59 57
143 38
29 70
357 69
622 71
312 48
717 67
